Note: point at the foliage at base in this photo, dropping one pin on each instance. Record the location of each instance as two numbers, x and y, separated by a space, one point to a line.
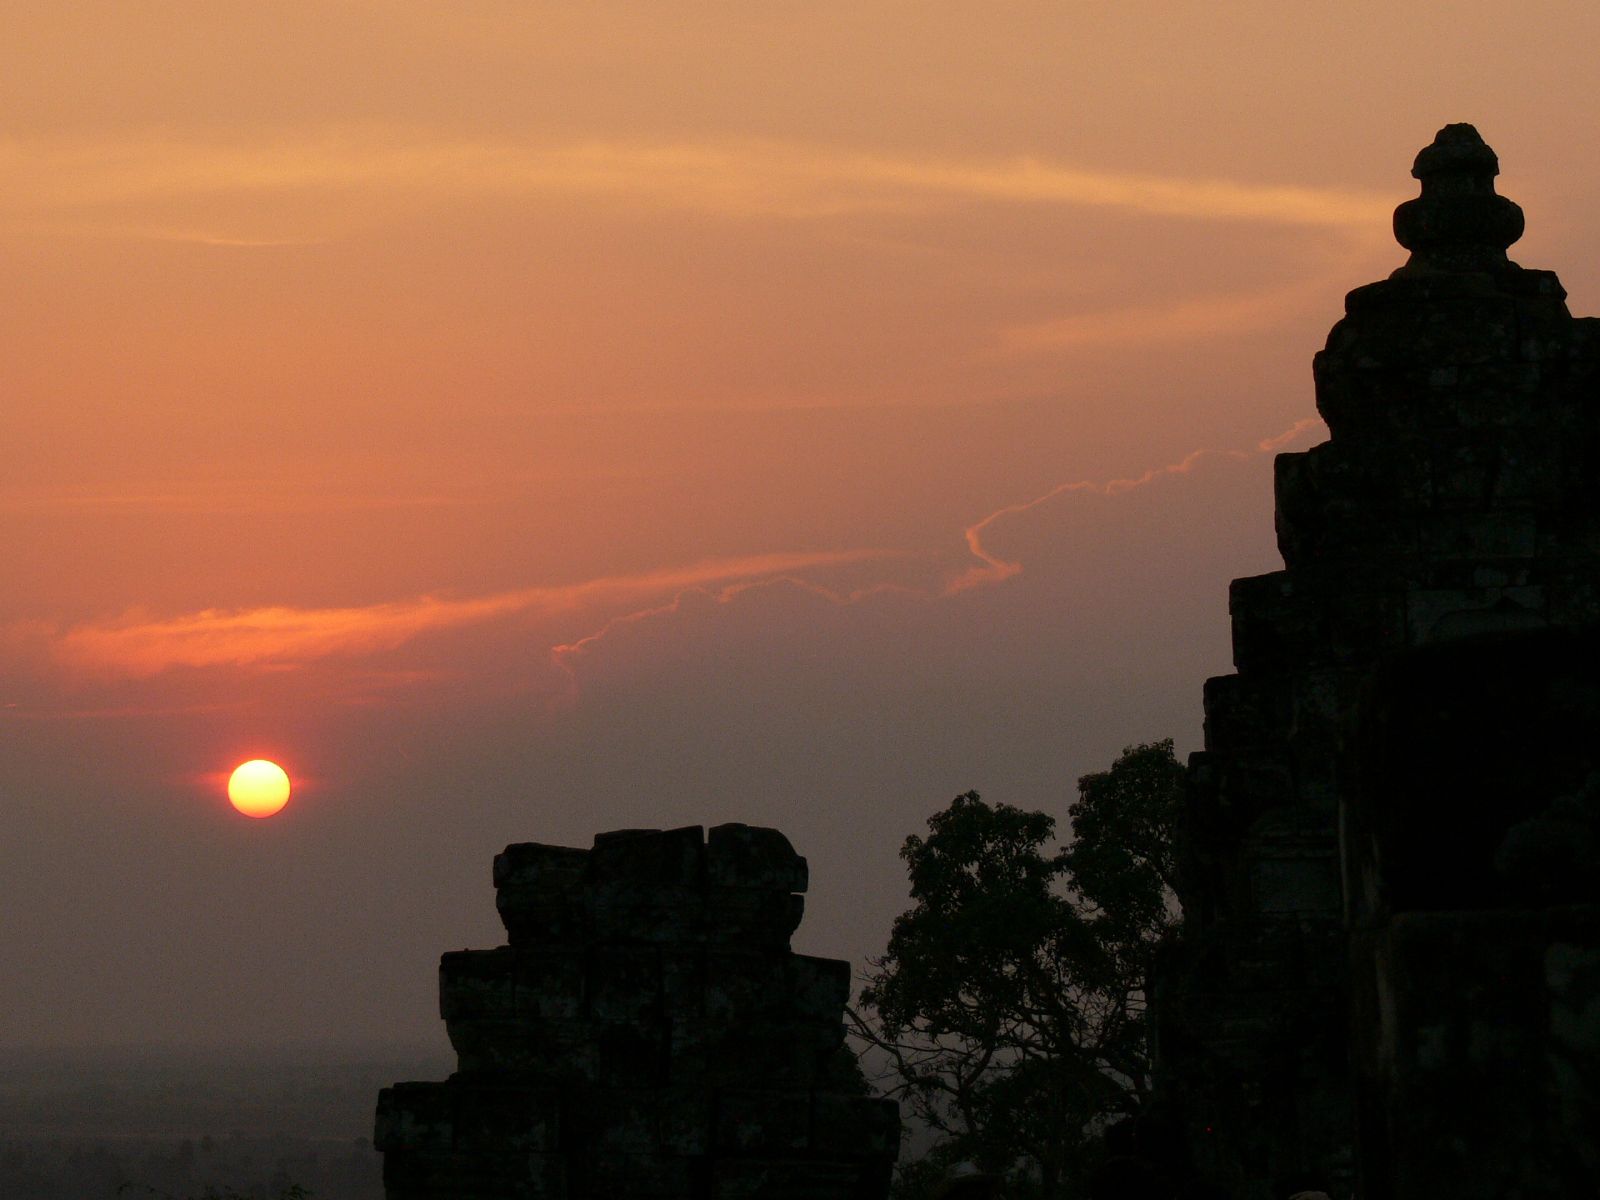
1010 1005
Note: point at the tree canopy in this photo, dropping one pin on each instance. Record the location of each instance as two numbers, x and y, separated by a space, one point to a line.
1009 1006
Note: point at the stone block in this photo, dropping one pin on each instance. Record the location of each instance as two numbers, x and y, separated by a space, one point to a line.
693 1047
1568 538
1354 477
673 858
855 1127
477 983
1445 615
642 1176
1506 388
623 984
536 888
1275 621
562 1051
1366 534
1574 605
551 985
624 912
541 920
1584 340
1360 624
766 1123
1322 702
683 983
1425 609
631 1054
1525 478
1353 403
1572 981
740 986
1285 883
1248 785
1544 332
1461 473
820 988
415 1116
749 856
536 865
1479 535
686 1115
751 917
786 1054
1243 713
618 1120
501 1119
798 1179
1448 330
1336 504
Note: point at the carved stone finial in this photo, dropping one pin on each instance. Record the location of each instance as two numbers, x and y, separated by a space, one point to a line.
1458 223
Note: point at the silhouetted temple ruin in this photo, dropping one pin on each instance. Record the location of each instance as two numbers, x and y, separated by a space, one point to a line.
1390 973
647 1034
1388 982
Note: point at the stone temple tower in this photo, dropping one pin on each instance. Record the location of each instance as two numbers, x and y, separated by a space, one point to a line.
1389 980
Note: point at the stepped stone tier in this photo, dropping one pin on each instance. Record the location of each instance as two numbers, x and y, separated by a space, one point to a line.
647 1033
1389 979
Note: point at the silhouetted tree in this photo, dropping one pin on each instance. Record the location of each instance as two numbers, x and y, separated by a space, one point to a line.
1010 1005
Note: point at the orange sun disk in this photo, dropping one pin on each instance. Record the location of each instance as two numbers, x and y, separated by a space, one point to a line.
258 788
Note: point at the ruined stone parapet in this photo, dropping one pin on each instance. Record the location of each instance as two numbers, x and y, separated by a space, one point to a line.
1448 527
647 1033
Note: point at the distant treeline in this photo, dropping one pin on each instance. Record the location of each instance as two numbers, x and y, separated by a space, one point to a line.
79 1125
142 1169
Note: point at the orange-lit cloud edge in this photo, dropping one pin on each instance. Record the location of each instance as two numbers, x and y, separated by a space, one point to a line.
135 644
277 638
98 188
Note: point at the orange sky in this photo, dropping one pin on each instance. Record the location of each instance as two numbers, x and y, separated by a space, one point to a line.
525 419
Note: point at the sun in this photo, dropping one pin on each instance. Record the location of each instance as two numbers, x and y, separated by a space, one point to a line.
258 788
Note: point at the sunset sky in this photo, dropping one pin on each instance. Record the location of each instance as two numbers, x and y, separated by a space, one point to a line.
522 420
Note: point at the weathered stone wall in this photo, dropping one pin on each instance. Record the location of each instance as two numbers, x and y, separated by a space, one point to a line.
1457 504
1473 853
647 1033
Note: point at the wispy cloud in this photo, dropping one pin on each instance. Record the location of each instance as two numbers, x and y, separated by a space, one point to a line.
740 177
312 490
988 570
1291 435
1034 180
206 237
721 595
139 645
991 568
228 498
1200 316
283 638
